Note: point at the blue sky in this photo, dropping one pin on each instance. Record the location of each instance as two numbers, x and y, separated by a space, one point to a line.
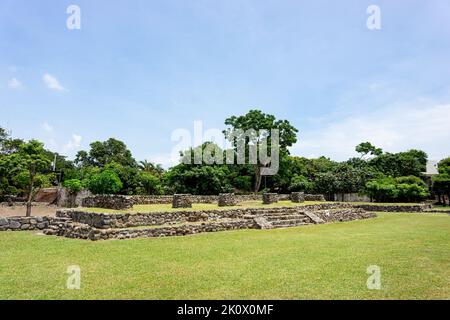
138 70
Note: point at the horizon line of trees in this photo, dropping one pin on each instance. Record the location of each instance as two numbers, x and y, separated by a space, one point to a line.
109 167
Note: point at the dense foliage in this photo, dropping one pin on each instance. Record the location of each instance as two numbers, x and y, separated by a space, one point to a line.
109 167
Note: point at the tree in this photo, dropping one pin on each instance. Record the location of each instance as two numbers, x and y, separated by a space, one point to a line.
441 181
412 162
102 153
26 165
197 179
257 120
105 182
366 148
388 189
155 169
151 184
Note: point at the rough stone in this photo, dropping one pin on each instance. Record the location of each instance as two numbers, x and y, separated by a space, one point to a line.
227 200
269 198
298 197
181 201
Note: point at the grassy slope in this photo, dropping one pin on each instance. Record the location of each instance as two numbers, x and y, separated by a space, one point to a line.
324 261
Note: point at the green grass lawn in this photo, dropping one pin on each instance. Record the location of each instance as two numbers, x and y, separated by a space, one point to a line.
317 261
440 207
199 206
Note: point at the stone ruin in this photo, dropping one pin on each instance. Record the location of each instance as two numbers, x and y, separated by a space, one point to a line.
181 201
297 197
227 200
269 198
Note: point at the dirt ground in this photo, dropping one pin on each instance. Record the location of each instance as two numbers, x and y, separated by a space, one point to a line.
38 209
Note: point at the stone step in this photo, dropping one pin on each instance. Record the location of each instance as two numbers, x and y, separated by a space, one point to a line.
288 223
286 217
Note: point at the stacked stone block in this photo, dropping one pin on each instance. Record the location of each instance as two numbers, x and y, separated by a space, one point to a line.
297 197
269 198
181 201
227 200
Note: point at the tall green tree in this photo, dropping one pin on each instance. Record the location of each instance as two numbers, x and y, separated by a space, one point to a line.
257 120
26 165
441 181
104 152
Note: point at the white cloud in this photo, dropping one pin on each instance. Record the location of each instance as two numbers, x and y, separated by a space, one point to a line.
47 127
53 83
398 128
15 84
73 143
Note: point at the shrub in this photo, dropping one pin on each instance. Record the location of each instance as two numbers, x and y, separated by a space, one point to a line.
106 182
388 189
150 183
73 185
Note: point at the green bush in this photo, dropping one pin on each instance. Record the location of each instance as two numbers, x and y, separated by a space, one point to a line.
388 189
73 185
106 182
301 183
150 183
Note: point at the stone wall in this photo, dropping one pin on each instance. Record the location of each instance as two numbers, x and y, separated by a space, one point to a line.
24 223
341 215
79 231
269 198
227 200
394 207
297 197
351 197
181 201
116 202
68 200
123 220
215 199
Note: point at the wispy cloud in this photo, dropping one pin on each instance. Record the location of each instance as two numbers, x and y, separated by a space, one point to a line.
419 125
15 84
73 143
53 83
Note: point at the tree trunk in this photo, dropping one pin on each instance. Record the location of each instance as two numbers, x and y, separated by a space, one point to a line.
257 178
30 195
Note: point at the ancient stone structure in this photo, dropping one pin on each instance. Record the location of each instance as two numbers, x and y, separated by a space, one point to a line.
298 197
394 207
227 200
269 198
84 225
116 202
181 201
24 223
154 199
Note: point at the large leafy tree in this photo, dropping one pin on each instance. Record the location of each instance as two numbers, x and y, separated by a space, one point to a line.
412 162
366 148
441 181
257 120
26 166
104 152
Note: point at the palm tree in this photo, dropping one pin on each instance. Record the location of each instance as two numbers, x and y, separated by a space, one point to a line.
152 168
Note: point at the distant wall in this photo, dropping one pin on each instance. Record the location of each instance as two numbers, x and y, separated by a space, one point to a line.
351 197
67 200
153 199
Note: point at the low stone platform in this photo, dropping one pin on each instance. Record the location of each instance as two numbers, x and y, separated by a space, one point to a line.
94 226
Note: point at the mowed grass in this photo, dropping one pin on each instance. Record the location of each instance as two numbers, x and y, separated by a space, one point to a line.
200 206
313 262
